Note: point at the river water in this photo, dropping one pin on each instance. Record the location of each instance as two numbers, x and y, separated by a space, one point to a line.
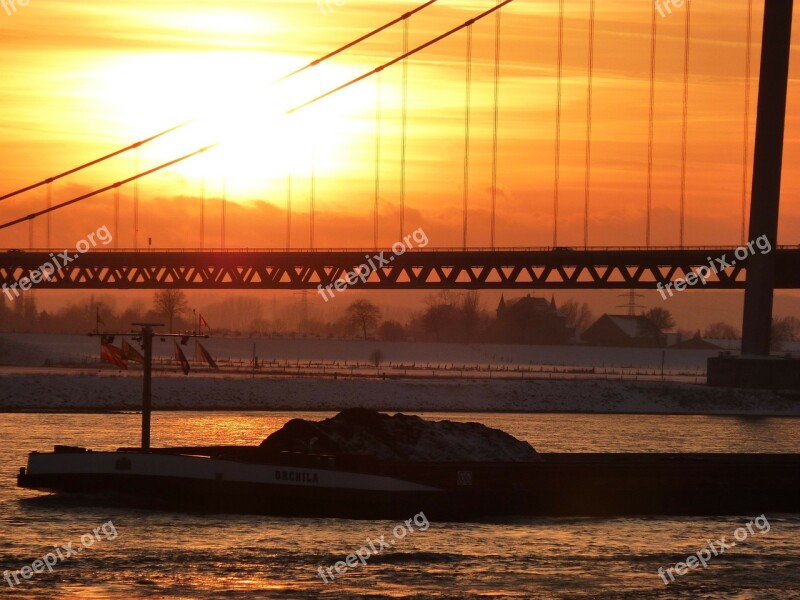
144 554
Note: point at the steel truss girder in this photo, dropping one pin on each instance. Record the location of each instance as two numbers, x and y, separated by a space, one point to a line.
424 269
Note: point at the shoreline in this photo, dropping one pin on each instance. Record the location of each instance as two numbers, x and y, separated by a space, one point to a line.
59 393
68 411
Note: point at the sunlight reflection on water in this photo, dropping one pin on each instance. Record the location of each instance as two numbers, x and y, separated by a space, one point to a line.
173 555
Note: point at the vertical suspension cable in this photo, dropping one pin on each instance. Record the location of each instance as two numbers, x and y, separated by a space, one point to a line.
685 127
136 201
224 210
49 215
202 211
312 199
746 144
404 132
495 122
289 209
116 217
30 234
650 125
378 107
467 106
559 73
589 90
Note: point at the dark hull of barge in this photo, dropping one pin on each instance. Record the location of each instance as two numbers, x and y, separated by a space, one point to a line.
241 480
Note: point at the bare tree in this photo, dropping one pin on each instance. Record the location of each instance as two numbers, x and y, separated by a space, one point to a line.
391 331
578 316
441 322
470 312
660 317
364 315
721 331
170 304
784 329
376 357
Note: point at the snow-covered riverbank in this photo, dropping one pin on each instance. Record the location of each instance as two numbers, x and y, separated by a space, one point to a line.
57 392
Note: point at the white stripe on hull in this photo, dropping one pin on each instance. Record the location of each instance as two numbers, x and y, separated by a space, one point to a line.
197 467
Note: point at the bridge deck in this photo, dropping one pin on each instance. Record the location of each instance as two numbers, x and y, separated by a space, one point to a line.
561 268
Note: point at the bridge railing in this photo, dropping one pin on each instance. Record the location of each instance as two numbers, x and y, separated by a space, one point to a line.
407 250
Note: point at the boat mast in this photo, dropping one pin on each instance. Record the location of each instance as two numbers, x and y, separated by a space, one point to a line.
147 387
147 381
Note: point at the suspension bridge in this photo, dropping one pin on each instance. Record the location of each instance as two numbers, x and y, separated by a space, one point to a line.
467 267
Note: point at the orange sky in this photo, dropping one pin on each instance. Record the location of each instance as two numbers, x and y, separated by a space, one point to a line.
80 79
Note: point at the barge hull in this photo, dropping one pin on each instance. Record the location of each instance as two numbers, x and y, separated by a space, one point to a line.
566 485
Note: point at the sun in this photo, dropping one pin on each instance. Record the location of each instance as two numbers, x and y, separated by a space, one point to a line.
233 100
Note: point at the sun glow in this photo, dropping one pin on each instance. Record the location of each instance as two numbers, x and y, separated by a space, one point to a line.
233 100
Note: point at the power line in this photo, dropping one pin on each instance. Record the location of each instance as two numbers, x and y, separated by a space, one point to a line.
631 305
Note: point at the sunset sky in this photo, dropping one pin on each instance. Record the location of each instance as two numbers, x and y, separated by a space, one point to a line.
81 79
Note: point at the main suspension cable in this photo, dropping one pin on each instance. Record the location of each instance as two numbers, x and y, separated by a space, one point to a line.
398 59
287 113
94 162
314 63
106 188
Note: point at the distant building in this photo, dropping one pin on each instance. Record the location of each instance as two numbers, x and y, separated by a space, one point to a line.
530 320
695 343
624 330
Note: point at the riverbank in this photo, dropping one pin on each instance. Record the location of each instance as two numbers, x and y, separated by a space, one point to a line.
104 393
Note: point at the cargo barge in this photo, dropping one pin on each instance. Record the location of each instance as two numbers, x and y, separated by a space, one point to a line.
246 480
364 464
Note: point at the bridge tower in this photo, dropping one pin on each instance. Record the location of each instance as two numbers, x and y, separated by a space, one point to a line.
754 368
